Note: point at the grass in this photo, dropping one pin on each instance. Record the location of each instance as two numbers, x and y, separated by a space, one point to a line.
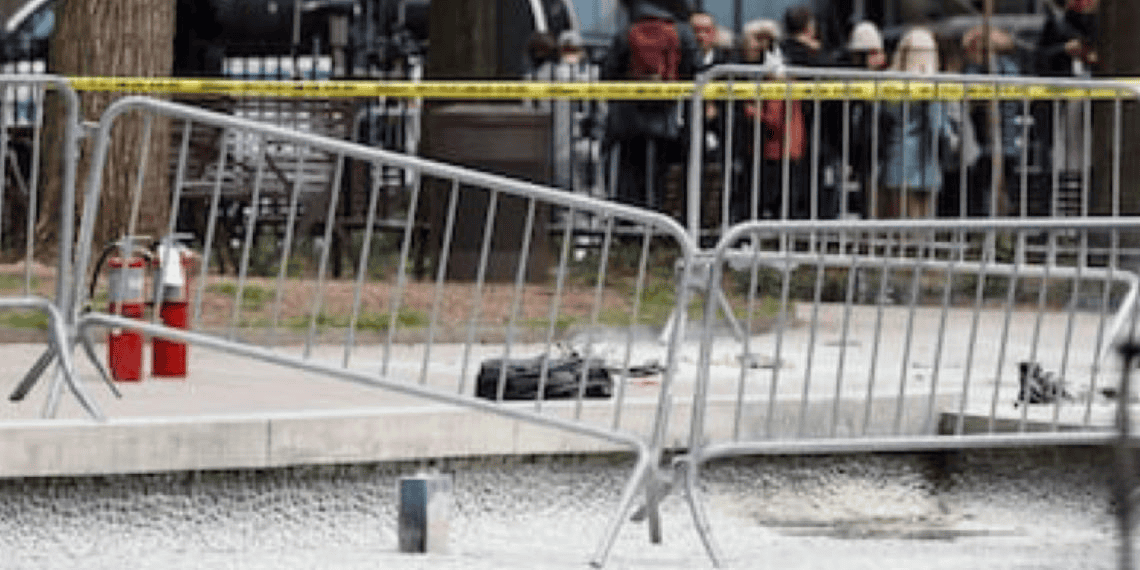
24 319
11 282
368 321
253 297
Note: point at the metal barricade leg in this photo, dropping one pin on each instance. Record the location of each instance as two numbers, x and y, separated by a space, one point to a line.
680 314
33 375
635 484
1124 450
688 469
58 351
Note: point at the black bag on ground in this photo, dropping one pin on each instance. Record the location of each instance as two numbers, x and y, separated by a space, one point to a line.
1038 386
564 376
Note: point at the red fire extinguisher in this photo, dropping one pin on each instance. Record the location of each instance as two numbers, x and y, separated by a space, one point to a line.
125 346
168 357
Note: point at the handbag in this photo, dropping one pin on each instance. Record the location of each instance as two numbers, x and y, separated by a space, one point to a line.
563 378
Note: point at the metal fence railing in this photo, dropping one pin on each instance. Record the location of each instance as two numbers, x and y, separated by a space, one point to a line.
958 329
823 143
34 156
504 286
902 346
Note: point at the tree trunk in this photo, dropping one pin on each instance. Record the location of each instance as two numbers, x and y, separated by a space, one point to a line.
113 38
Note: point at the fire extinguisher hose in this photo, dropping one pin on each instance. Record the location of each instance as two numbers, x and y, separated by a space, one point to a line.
107 250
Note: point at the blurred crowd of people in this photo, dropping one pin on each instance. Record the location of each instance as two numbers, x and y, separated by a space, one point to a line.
903 159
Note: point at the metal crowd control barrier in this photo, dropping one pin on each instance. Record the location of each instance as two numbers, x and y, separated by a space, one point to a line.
901 346
848 161
25 144
847 127
505 285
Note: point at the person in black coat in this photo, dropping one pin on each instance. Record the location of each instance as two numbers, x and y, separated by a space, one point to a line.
1067 43
802 47
1066 48
646 135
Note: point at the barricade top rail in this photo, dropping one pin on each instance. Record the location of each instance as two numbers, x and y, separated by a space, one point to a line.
843 84
861 84
389 158
968 225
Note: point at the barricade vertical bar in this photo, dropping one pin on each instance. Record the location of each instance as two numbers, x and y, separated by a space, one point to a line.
1086 157
595 310
873 368
516 297
781 326
872 198
402 272
555 309
1082 259
326 248
994 124
693 188
916 274
377 170
287 245
844 338
786 207
816 298
5 135
1036 342
477 297
441 273
904 190
208 245
634 318
754 274
942 322
179 177
33 192
728 192
844 163
814 202
140 175
250 230
1055 163
979 296
963 170
756 202
1011 298
1024 194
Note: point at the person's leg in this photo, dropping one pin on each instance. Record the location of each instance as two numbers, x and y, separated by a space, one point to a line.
889 201
918 204
631 172
799 190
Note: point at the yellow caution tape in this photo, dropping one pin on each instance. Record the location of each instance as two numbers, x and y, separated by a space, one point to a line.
614 90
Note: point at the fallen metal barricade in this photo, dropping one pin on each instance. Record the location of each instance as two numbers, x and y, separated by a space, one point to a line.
903 346
25 145
508 281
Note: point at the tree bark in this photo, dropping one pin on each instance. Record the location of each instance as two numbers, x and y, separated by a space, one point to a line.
112 38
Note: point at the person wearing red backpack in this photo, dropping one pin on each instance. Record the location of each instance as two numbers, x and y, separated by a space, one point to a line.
644 138
783 147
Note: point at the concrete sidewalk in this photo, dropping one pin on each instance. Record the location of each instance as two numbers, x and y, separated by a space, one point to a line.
235 412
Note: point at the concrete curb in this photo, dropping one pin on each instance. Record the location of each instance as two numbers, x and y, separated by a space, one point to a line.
71 447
